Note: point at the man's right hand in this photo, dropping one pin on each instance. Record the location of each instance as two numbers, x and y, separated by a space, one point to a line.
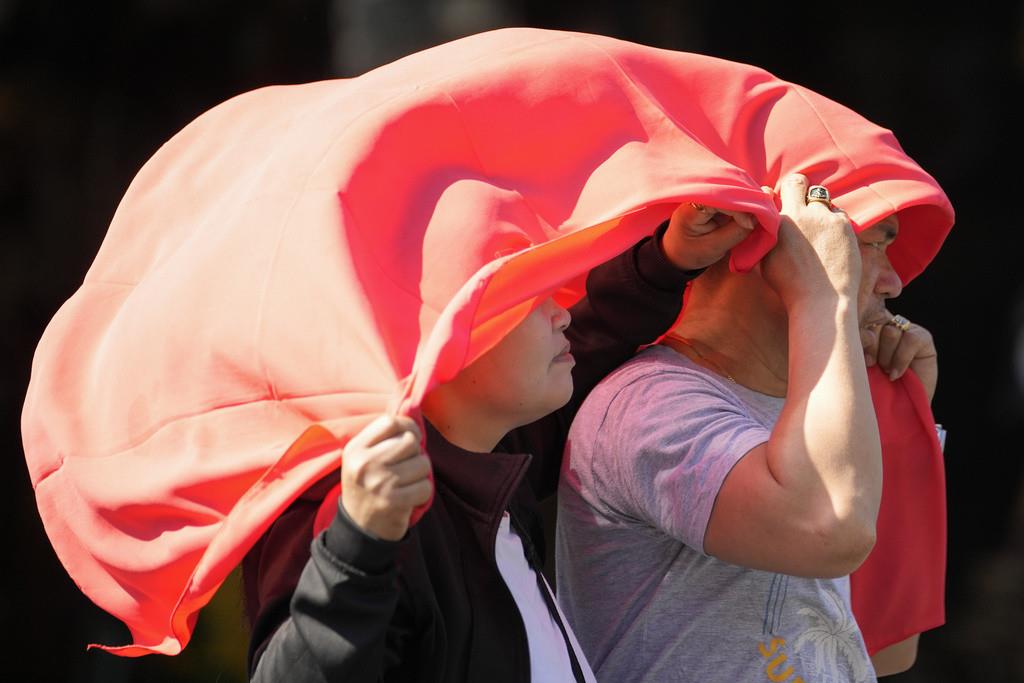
385 476
817 251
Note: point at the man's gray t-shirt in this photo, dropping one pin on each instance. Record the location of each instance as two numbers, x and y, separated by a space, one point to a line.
647 454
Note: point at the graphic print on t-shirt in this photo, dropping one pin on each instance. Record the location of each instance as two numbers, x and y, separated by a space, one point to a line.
827 648
834 639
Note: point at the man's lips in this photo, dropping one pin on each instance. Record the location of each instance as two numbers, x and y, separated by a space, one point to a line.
869 330
876 320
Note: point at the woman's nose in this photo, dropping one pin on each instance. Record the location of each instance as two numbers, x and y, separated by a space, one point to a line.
560 316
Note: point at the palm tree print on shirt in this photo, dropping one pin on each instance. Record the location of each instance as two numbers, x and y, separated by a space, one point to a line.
836 640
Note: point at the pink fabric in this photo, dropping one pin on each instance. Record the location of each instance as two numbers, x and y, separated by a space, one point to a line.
900 590
301 258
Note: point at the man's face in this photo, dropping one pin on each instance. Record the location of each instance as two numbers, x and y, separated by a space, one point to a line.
529 373
878 280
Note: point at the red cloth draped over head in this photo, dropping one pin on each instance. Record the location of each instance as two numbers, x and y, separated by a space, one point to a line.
301 258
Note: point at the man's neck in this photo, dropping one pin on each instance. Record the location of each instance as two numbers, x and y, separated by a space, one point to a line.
741 338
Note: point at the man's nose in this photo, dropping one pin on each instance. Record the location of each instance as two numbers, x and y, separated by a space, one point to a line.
889 284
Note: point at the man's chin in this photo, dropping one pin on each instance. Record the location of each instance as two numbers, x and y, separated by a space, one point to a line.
868 338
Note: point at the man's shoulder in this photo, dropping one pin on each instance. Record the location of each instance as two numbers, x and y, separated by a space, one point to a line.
655 385
655 371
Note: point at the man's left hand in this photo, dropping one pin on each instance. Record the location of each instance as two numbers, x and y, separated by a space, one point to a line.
895 350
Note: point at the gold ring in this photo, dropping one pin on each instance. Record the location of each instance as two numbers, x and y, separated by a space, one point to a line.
900 322
819 193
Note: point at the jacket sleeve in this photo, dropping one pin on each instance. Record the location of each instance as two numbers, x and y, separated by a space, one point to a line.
631 300
342 622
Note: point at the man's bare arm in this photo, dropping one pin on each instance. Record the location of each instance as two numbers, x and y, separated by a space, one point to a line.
805 503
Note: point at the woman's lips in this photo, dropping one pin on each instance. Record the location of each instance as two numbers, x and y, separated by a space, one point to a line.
565 356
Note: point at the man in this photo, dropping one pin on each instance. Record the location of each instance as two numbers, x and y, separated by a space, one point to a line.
720 487
459 596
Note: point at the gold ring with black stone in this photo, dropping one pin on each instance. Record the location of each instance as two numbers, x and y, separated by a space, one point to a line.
819 193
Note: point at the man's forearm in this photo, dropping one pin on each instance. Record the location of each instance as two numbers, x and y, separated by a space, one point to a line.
825 450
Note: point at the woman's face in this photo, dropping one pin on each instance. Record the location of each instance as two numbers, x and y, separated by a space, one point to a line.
528 374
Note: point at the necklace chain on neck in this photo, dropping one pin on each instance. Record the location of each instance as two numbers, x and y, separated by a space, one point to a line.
714 366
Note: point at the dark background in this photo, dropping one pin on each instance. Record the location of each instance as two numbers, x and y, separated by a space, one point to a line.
88 91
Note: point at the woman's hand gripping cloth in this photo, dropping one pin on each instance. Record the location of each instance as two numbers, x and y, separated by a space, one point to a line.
302 258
